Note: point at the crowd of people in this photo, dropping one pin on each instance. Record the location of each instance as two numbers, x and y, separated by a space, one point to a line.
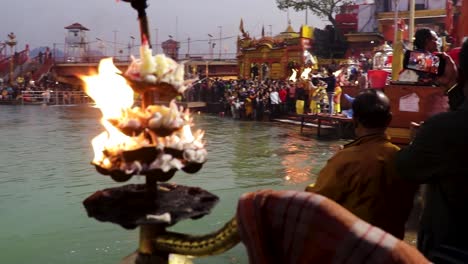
255 99
376 181
24 91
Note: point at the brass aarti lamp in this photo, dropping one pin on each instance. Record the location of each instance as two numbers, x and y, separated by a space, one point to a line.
157 142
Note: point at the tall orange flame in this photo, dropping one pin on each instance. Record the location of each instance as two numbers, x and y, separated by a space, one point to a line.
109 90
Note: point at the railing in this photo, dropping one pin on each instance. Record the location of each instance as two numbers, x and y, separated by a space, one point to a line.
126 58
20 58
46 65
55 97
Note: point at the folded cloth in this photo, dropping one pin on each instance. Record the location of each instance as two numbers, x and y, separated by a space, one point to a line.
302 227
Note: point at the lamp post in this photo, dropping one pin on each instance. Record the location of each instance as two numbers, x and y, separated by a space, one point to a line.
210 47
156 32
220 40
132 45
12 43
115 43
54 52
411 23
101 46
188 47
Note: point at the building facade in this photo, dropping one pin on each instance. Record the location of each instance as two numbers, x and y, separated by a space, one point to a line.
274 56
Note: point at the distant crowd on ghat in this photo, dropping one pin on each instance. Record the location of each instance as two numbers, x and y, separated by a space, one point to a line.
256 99
26 90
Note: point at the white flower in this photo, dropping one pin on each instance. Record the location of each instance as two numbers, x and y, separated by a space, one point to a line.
166 217
148 65
176 163
163 163
150 78
195 155
161 64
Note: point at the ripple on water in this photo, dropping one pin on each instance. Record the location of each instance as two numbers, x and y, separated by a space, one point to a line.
46 154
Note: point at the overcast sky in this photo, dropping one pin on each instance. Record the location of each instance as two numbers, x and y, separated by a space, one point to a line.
41 22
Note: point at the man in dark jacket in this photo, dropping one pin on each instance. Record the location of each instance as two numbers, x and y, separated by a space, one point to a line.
330 80
438 157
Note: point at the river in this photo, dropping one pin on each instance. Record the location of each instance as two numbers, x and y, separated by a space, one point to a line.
45 175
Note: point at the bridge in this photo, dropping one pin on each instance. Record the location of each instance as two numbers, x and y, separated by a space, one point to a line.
68 72
53 73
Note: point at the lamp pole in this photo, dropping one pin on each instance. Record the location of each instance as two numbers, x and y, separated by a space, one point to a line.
220 40
115 42
411 22
188 47
101 46
395 22
210 46
156 32
133 44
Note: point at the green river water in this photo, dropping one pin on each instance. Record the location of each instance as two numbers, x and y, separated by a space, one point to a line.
45 175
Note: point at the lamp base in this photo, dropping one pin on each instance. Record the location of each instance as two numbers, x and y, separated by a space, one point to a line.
132 205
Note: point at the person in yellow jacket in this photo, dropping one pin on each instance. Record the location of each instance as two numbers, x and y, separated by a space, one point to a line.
362 177
337 99
316 95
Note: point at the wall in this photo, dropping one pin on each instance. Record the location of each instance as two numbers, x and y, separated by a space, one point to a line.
437 4
366 19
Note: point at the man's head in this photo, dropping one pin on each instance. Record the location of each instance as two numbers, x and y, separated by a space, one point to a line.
371 110
426 39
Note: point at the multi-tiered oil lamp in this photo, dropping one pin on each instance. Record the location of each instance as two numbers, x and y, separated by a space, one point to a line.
154 141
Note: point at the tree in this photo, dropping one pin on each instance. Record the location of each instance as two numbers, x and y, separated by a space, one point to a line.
322 8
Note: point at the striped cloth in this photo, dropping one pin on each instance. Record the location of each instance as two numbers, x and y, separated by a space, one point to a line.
301 227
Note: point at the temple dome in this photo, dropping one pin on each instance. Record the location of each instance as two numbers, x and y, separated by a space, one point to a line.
288 33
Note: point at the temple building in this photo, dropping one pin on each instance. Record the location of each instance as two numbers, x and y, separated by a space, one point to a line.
274 56
366 26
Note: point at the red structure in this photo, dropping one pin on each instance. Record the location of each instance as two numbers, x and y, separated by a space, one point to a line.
368 24
347 19
171 48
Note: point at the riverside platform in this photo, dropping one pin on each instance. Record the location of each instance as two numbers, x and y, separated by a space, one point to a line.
342 125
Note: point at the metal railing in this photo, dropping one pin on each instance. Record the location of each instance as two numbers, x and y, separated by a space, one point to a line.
126 58
55 97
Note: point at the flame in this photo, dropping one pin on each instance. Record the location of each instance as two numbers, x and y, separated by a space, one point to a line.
293 76
114 97
109 90
187 134
305 73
